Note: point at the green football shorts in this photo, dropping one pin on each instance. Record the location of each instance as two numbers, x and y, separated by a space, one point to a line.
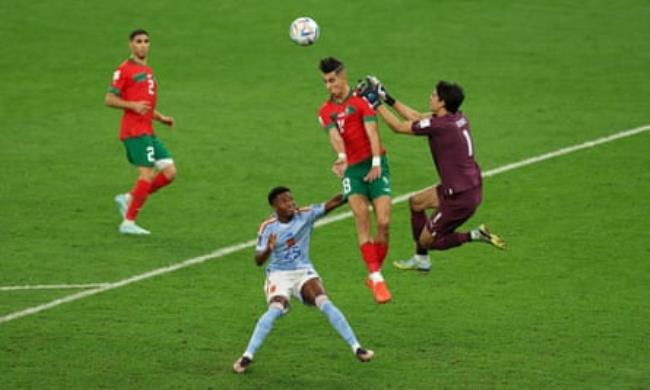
145 150
353 180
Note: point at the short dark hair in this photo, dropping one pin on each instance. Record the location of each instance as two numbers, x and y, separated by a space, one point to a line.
276 192
331 64
137 32
450 93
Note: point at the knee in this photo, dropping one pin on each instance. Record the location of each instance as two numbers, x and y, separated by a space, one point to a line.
383 223
147 175
279 303
321 300
415 205
170 172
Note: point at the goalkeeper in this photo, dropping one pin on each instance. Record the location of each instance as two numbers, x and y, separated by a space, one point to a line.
459 193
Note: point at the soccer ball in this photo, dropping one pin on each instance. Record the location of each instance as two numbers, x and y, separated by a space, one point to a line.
304 31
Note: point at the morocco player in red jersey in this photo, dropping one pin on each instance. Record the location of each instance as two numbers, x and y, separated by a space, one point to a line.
134 89
351 124
460 191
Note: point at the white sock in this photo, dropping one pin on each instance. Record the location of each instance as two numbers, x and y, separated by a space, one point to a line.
355 347
376 277
421 258
474 235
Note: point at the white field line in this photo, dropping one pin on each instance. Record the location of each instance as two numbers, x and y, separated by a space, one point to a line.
52 286
325 221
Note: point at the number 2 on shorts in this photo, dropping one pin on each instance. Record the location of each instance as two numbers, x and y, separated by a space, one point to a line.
150 152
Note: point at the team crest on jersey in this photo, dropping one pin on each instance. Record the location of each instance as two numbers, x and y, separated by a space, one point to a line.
291 242
349 110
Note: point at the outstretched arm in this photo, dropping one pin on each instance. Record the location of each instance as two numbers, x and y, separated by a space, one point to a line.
397 125
408 113
333 203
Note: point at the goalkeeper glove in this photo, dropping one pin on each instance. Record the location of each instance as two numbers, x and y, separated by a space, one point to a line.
366 90
381 90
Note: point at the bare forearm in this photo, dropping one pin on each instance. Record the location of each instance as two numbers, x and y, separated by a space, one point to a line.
158 116
112 100
393 122
333 203
373 137
337 143
407 112
261 257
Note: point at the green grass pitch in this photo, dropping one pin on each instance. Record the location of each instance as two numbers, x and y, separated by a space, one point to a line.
566 306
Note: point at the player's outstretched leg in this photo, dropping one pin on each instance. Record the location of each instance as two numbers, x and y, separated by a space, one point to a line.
262 329
338 321
483 234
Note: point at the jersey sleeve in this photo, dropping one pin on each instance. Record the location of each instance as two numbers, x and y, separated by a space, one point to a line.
368 114
119 81
424 126
263 237
316 211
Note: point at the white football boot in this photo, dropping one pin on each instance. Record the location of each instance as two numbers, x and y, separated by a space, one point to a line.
129 227
415 263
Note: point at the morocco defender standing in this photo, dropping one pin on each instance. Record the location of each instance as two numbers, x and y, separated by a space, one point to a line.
134 90
351 124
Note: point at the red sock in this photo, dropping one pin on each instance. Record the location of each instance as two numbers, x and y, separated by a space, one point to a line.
159 182
139 195
381 249
369 254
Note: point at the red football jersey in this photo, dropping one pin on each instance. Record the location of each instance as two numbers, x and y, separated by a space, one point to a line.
348 117
135 82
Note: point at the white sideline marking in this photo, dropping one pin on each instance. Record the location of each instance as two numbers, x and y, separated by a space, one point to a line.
51 286
325 221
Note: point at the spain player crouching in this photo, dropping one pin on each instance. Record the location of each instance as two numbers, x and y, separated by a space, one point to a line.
284 239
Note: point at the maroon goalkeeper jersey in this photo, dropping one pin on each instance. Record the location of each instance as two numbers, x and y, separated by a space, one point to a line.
450 141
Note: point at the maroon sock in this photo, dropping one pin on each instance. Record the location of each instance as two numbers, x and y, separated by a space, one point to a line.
450 240
418 220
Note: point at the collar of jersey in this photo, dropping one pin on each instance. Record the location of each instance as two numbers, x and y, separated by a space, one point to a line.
134 62
344 99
